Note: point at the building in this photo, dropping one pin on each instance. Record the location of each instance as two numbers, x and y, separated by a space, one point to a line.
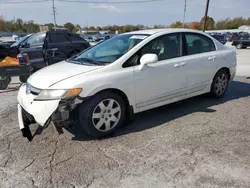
44 28
245 27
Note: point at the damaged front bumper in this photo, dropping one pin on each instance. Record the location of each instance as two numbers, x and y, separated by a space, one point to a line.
41 112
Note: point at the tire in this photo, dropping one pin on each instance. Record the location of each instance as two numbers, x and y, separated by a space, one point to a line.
8 80
23 78
104 115
3 84
239 46
220 84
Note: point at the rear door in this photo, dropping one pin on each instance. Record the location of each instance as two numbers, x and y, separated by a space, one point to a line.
202 59
33 47
60 41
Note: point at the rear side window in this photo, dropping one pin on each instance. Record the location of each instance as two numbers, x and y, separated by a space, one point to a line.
55 38
75 37
197 43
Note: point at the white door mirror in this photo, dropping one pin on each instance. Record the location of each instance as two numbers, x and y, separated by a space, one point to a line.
147 59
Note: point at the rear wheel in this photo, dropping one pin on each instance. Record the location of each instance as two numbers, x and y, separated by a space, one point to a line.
102 115
239 46
4 83
220 83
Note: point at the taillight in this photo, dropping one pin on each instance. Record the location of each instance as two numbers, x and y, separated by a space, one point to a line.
23 59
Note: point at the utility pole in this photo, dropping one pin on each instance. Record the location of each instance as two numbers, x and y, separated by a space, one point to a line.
205 17
184 14
54 12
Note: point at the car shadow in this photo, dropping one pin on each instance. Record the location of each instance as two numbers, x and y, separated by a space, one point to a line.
158 116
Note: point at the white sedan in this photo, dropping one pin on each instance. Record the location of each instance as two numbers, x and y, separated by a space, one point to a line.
101 87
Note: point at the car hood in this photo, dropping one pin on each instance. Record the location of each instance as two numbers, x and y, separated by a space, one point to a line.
52 74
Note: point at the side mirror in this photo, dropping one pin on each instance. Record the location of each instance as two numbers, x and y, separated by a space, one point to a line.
147 59
25 45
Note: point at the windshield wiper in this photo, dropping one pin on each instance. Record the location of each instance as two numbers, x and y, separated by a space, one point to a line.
88 60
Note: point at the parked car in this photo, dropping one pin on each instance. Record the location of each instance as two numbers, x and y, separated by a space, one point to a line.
48 47
96 41
4 49
242 41
102 86
221 38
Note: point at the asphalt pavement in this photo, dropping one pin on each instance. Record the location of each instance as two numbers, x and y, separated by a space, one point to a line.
196 143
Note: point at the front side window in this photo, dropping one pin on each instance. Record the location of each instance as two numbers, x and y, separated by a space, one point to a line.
165 47
110 50
36 39
197 43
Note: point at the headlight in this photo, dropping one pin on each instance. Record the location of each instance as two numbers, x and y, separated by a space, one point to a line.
55 94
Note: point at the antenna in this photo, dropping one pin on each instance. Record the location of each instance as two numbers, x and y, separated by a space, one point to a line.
54 12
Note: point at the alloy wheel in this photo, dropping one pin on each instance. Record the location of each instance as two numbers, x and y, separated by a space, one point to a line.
106 115
239 46
221 84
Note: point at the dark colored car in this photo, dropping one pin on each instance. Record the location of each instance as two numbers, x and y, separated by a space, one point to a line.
45 48
242 41
4 49
220 38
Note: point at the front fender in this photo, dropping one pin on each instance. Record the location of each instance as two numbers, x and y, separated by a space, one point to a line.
127 91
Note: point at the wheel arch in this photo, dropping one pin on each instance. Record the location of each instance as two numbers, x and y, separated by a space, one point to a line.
227 70
128 103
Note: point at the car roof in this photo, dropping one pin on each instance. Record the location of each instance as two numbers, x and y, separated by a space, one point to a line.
164 30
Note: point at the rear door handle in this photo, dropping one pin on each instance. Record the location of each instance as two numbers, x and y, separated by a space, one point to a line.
212 58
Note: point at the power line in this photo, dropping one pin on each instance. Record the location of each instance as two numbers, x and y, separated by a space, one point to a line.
112 2
79 1
24 1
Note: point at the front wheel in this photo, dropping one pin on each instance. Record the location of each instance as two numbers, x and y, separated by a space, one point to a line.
102 115
220 83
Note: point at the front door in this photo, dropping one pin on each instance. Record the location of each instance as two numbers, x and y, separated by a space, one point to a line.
33 47
164 80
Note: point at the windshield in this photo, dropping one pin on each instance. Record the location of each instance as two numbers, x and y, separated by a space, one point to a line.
21 40
110 50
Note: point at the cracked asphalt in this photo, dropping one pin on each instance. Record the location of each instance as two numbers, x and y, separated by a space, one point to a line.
196 143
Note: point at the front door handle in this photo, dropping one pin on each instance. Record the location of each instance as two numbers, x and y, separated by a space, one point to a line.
177 65
183 64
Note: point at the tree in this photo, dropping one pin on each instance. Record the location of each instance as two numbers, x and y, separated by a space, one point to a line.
91 28
50 26
177 24
69 26
210 23
2 24
194 25
98 28
19 24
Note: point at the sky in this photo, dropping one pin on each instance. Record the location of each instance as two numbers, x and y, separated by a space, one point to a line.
162 12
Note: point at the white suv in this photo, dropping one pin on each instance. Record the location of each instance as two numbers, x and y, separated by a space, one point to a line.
129 73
